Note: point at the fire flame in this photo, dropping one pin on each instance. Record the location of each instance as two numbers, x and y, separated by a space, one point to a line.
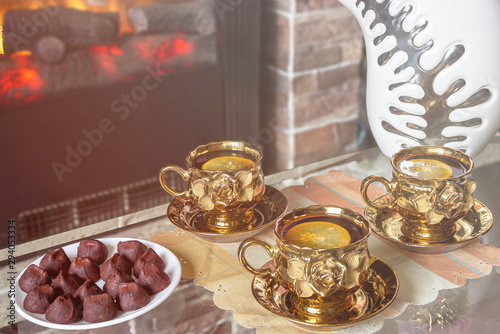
22 80
23 77
148 50
106 56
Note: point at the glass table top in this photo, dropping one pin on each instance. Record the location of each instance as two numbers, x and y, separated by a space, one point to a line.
475 304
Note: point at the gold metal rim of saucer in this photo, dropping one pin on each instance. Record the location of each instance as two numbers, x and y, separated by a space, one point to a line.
188 217
386 224
381 290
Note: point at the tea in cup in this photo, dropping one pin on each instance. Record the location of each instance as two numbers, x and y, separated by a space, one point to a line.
225 180
321 257
431 189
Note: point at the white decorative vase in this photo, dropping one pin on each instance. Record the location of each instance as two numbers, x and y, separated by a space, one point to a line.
433 71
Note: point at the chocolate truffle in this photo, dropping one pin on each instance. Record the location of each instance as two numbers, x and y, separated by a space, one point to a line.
99 308
65 283
55 261
39 299
94 249
116 278
149 256
152 279
63 310
84 268
117 262
131 250
89 288
131 296
33 276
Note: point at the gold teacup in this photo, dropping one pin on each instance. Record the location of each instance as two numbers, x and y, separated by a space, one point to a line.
321 257
225 180
431 189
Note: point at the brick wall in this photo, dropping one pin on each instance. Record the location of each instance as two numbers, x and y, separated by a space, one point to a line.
312 52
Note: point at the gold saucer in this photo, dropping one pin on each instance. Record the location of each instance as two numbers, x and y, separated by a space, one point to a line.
387 225
187 216
376 294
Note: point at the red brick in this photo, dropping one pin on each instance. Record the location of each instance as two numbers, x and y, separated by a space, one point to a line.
276 43
324 25
282 145
338 76
324 142
273 119
325 35
313 57
338 103
309 5
306 83
353 48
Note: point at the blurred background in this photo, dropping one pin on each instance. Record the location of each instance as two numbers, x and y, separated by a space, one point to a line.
97 95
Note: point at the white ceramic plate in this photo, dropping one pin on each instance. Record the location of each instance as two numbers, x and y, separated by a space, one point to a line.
173 269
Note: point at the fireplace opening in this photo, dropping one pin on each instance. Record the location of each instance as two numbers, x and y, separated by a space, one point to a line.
97 95
55 47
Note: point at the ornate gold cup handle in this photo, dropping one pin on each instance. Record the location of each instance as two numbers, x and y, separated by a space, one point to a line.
241 255
364 191
184 174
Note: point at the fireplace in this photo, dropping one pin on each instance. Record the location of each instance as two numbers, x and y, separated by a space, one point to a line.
97 95
54 49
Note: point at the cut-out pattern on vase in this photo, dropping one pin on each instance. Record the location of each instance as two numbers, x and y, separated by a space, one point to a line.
429 81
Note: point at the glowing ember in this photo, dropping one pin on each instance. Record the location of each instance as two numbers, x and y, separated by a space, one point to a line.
149 50
26 76
20 82
106 57
24 80
182 47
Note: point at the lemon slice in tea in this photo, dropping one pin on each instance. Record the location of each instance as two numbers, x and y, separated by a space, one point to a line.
318 234
226 163
426 168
